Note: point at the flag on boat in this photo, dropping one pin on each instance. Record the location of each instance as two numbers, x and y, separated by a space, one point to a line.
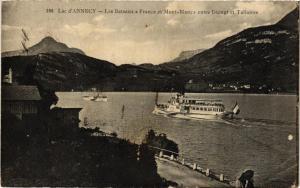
236 108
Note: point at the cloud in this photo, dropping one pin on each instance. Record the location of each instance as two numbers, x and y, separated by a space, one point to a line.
131 43
219 35
104 30
149 28
125 28
10 28
84 29
266 10
244 25
177 5
183 20
172 22
261 7
98 18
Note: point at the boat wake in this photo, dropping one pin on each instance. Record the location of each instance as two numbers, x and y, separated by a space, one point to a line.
252 122
236 121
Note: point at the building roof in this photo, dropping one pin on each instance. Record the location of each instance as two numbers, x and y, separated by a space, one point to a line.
20 93
65 109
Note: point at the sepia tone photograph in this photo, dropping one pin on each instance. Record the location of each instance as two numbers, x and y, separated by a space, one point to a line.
149 94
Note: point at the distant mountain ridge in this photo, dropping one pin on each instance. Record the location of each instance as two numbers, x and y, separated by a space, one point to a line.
46 45
264 57
187 54
66 71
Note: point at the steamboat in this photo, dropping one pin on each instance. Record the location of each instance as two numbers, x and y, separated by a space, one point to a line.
181 106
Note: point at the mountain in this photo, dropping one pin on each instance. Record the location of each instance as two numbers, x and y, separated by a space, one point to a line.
261 60
46 45
58 70
54 66
264 58
290 21
187 54
65 71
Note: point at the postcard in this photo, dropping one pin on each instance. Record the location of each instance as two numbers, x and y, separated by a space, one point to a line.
149 93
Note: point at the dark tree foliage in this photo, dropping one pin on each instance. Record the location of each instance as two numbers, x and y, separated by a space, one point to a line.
34 157
161 141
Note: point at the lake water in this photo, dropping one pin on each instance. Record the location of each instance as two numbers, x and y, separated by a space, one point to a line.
257 140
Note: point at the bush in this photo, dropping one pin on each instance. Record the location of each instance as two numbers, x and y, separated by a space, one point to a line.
161 141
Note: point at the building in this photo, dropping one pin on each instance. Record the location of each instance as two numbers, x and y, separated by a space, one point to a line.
20 100
246 86
7 78
195 86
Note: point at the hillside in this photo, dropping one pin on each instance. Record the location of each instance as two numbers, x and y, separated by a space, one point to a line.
65 71
58 70
265 57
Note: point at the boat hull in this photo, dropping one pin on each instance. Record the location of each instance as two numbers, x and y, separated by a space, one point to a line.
87 98
196 116
94 99
100 100
158 111
211 116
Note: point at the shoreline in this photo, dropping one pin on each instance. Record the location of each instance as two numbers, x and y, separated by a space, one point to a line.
184 176
165 92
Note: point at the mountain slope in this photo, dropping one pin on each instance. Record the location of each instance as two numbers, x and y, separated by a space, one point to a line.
65 71
46 45
58 70
290 21
263 57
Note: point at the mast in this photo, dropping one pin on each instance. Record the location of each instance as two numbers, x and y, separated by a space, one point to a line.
123 111
156 98
25 36
25 39
25 49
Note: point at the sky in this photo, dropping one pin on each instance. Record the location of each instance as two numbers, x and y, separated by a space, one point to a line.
133 38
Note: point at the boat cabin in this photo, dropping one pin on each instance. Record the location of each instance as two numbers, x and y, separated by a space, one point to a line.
193 105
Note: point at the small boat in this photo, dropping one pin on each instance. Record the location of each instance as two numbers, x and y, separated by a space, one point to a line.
184 107
87 98
99 98
96 98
